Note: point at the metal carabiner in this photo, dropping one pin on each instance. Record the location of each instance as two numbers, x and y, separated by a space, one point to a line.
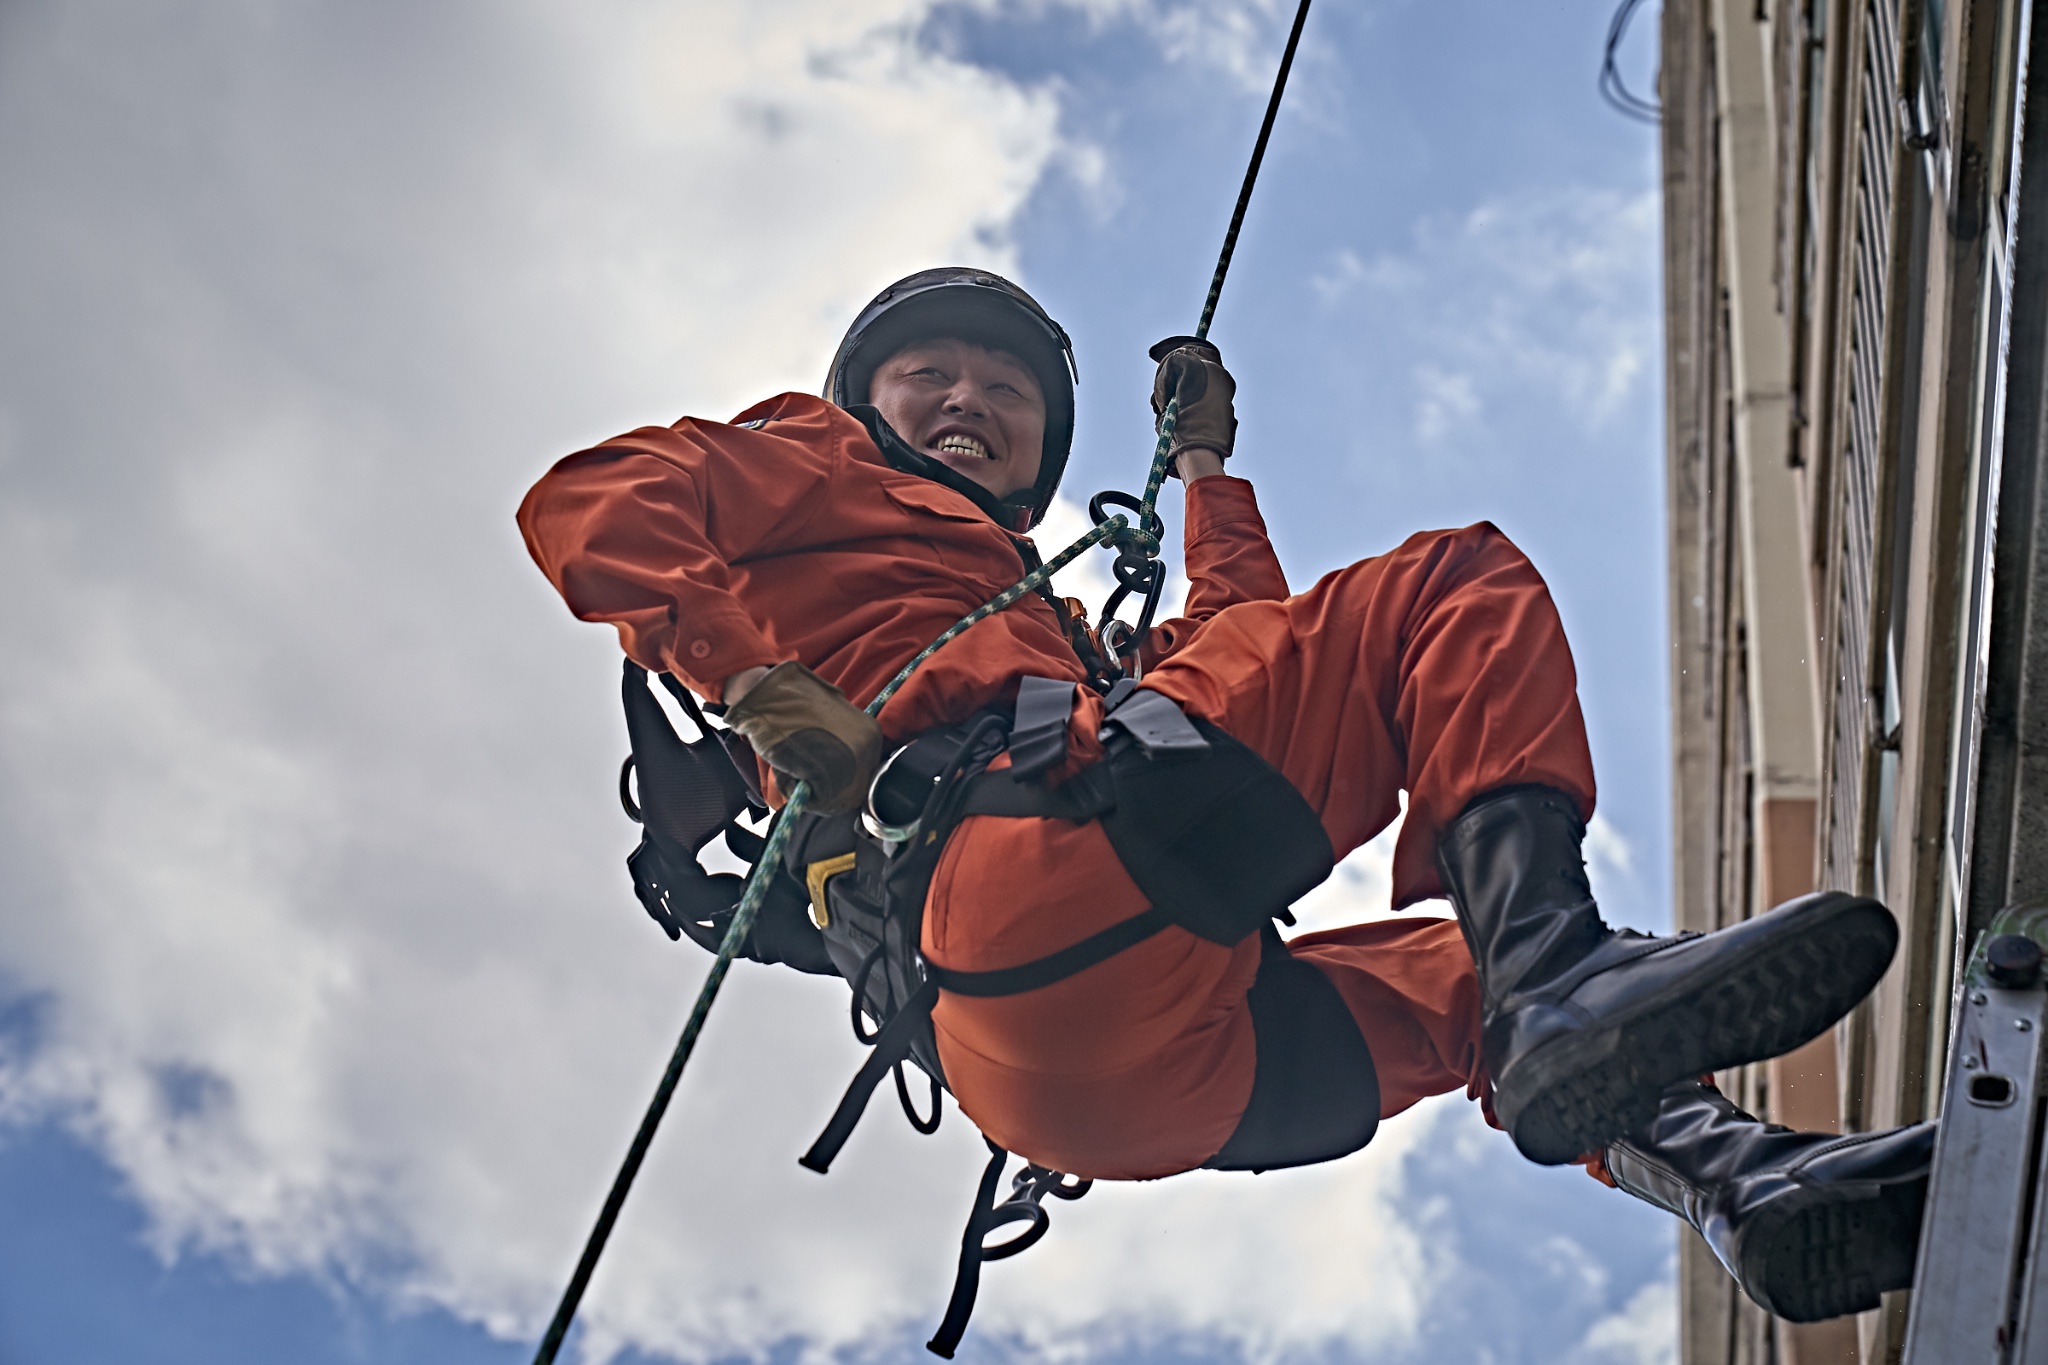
1150 524
1123 641
1028 1189
872 822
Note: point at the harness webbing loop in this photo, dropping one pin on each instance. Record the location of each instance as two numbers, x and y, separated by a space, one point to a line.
967 1278
892 1045
1026 1204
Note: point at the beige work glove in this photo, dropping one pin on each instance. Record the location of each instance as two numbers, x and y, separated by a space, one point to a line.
806 730
1192 371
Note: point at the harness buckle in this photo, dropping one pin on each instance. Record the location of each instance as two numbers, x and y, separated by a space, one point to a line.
1157 725
815 877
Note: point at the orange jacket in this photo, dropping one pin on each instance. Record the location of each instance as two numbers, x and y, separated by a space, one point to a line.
715 547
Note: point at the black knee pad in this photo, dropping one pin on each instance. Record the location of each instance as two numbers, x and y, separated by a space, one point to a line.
1316 1095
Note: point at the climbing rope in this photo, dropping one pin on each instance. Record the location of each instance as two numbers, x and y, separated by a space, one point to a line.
1138 569
1139 543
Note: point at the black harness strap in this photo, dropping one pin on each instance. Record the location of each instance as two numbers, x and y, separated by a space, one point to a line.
967 1278
1158 726
892 1045
1026 1204
1030 976
1038 736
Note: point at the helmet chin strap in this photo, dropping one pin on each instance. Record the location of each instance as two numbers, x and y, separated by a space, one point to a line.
1021 510
1014 512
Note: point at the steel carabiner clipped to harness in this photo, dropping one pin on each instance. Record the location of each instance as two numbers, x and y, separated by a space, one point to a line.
1139 573
1026 1204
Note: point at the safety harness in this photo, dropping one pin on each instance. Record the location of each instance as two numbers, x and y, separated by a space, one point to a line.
1217 839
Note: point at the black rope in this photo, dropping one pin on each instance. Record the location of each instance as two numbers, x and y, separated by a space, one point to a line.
1251 172
1612 88
1137 563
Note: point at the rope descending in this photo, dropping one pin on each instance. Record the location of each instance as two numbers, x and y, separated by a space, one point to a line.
1138 570
1137 563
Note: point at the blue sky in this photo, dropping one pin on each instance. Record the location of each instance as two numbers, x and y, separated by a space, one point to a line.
326 1009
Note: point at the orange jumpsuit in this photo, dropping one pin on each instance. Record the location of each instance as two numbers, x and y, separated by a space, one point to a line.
1440 669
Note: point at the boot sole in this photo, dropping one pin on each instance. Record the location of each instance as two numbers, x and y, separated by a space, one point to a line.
1826 1259
1589 1088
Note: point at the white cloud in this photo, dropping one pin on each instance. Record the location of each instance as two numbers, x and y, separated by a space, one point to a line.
1444 402
1644 1332
1240 39
1548 293
1266 1267
305 777
1360 889
1577 1273
1607 848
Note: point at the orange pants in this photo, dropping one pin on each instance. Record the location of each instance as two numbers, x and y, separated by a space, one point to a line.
1440 668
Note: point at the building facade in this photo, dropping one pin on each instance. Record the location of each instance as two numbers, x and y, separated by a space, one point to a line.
1856 286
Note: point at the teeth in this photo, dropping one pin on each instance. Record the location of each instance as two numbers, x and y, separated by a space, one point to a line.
966 445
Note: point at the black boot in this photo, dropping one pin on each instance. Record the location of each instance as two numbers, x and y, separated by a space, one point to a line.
1810 1225
1586 1026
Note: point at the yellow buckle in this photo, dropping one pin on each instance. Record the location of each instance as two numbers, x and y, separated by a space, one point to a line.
815 877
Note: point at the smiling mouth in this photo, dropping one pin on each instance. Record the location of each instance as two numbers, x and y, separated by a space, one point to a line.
961 444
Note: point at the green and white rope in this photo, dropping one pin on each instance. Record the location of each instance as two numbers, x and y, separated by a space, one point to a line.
1110 528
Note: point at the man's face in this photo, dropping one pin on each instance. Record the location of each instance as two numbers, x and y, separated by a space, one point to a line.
976 411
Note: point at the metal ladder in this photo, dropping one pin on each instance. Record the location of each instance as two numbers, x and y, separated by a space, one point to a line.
1981 1287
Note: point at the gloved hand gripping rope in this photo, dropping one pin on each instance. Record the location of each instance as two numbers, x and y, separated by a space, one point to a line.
1137 569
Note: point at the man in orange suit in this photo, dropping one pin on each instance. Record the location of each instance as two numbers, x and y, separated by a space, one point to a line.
786 565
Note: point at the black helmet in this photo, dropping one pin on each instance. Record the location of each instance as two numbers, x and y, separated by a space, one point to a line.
982 307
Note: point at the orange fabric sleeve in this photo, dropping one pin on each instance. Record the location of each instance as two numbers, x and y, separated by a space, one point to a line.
1228 555
639 533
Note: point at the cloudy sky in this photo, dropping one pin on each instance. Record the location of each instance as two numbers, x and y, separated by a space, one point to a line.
325 1008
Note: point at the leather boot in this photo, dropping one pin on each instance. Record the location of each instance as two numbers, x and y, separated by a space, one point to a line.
1810 1225
1585 1026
